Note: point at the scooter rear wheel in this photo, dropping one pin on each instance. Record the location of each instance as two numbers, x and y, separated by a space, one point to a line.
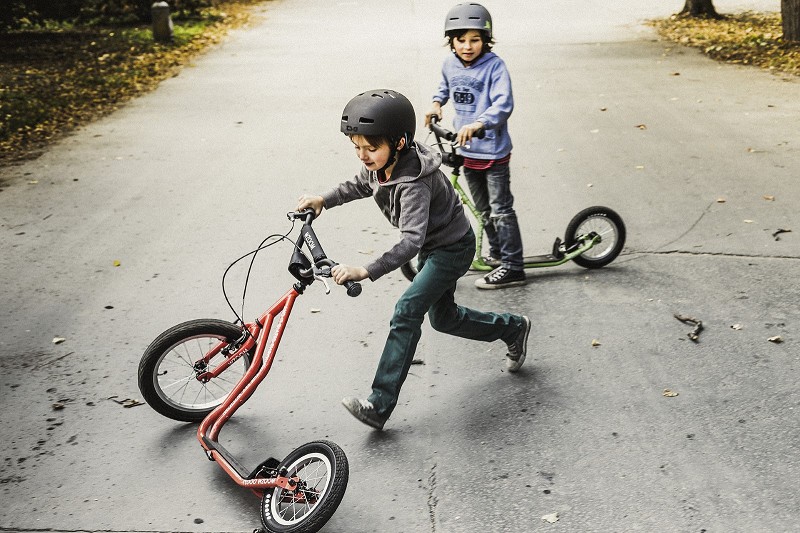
322 471
606 223
170 367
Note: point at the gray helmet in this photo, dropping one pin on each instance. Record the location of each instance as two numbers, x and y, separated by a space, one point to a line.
380 112
468 16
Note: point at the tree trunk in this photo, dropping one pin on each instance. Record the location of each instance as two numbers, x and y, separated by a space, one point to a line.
701 8
790 15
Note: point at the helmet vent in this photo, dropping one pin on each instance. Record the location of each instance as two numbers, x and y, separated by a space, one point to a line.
365 120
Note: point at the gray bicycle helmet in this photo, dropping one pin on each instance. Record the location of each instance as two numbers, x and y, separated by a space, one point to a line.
469 16
382 112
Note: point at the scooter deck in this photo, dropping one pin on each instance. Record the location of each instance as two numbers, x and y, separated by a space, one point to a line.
547 258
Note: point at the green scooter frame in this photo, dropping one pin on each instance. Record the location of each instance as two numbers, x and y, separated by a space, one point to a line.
594 237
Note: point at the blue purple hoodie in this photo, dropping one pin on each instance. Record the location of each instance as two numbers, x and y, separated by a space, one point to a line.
480 91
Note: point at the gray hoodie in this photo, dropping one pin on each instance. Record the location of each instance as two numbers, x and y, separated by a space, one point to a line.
418 199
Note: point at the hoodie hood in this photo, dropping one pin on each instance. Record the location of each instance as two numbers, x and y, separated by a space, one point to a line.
418 161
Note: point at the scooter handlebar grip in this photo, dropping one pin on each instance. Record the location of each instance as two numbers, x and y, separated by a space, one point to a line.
353 288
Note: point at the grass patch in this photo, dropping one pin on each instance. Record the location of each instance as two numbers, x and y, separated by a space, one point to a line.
744 38
59 77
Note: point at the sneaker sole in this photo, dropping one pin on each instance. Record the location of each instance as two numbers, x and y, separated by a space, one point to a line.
481 284
512 365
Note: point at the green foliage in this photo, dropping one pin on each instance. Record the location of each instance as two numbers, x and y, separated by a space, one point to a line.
27 14
59 75
746 38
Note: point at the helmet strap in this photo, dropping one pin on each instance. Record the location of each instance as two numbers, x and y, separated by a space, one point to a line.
393 151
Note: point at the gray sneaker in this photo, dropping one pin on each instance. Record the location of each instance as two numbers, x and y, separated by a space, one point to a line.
365 412
518 348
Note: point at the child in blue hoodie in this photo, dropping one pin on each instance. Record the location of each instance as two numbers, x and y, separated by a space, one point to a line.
476 80
404 179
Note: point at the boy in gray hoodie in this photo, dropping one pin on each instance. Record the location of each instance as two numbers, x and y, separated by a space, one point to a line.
404 179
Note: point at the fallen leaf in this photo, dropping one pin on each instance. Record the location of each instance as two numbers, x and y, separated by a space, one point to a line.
668 393
779 231
639 167
127 402
595 342
748 221
315 310
721 200
641 126
777 339
737 327
552 518
117 263
769 198
603 109
58 340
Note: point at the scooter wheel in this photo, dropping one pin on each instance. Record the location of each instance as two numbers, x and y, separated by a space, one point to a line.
604 222
321 471
169 368
409 269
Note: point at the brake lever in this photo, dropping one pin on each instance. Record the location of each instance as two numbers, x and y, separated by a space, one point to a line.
320 274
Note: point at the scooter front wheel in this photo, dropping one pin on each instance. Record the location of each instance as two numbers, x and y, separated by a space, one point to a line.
171 368
409 269
604 222
321 471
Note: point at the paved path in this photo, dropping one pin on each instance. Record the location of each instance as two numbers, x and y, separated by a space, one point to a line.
181 181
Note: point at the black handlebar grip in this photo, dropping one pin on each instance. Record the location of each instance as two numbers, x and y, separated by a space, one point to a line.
449 135
353 288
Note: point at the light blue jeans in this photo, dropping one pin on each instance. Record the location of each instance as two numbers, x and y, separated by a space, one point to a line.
491 192
433 292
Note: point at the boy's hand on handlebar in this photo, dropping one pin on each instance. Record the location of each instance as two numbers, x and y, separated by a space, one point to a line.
341 273
466 133
310 201
436 111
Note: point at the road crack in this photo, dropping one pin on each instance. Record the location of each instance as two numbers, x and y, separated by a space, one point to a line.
433 500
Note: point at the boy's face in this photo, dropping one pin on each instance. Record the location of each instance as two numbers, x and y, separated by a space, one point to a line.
373 157
468 47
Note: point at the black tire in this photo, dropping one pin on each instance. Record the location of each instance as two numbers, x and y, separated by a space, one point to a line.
606 223
409 269
323 471
167 373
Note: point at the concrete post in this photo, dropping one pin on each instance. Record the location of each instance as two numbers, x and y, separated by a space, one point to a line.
162 22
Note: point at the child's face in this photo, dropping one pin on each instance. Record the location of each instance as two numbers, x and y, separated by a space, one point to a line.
373 157
468 47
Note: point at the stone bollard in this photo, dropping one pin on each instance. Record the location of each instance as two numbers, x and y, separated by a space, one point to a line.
162 22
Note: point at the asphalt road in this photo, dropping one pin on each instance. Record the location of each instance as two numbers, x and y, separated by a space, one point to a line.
126 227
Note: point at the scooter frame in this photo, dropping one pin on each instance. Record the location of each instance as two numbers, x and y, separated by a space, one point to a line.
257 344
575 245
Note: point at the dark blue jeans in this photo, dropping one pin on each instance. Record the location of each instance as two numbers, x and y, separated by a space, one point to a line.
491 192
432 292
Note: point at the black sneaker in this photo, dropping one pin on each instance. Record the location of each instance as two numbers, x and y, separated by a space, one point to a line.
518 348
365 412
500 278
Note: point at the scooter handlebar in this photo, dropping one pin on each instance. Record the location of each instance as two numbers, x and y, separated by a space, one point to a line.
447 134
